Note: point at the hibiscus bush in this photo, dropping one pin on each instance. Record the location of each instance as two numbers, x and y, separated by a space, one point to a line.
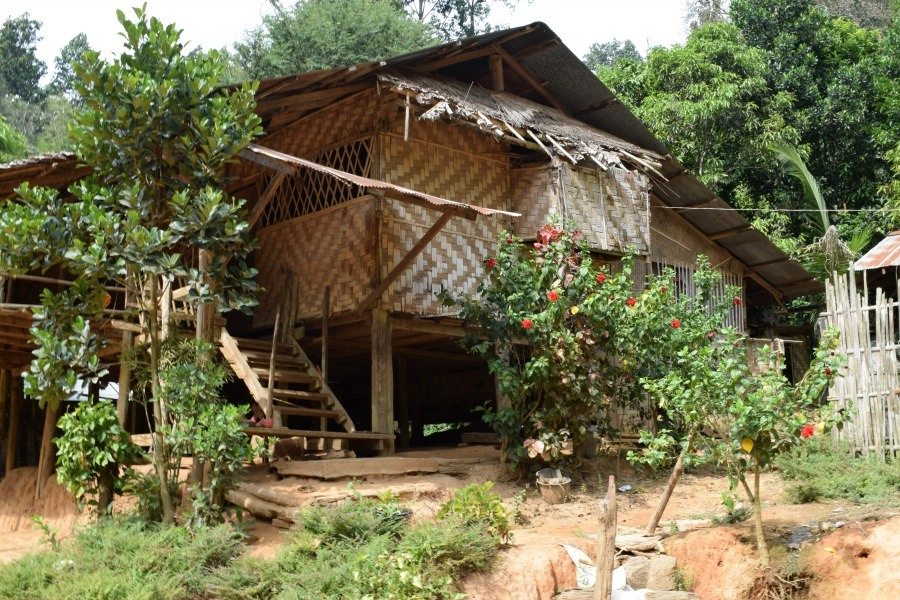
570 340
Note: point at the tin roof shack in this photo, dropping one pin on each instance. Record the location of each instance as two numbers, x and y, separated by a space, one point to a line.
377 186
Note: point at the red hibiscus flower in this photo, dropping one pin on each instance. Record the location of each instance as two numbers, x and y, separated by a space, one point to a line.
808 431
631 302
828 372
527 323
601 278
490 263
538 246
552 295
663 290
676 323
737 301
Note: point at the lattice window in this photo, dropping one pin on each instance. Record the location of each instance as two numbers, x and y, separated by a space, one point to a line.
310 191
684 284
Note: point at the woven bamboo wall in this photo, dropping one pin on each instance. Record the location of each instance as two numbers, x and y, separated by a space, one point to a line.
610 207
334 247
674 242
454 163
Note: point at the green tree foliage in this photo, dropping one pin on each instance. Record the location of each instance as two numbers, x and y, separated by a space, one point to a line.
831 67
63 82
12 144
700 12
158 132
609 53
320 34
454 19
20 69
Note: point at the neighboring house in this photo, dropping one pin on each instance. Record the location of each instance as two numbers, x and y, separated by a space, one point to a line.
377 186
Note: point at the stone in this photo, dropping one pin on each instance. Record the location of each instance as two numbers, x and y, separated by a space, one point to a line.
658 573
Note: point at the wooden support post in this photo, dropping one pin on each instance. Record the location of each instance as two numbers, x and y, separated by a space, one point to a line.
4 400
497 72
382 377
403 402
323 366
124 379
418 426
270 391
15 402
47 457
203 308
165 310
606 543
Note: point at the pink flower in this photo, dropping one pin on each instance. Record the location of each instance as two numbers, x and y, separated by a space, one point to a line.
527 323
552 295
253 420
548 233
490 263
538 246
676 323
534 447
808 431
267 423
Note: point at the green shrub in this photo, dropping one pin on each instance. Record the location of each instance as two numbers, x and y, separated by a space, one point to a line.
477 504
123 559
822 468
355 521
453 545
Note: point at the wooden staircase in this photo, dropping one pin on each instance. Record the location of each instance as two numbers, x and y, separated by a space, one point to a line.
286 386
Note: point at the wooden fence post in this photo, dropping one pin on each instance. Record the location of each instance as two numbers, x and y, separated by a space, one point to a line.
15 401
382 376
606 543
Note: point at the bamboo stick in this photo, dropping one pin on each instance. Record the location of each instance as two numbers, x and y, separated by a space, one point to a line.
606 543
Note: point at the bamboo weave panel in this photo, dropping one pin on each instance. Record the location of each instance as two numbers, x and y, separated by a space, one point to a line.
334 247
869 384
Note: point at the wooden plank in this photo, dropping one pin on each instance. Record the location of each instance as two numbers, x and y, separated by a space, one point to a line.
297 395
382 374
305 411
522 72
266 197
285 376
338 435
497 72
401 266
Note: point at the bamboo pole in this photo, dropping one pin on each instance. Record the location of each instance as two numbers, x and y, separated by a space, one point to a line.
606 543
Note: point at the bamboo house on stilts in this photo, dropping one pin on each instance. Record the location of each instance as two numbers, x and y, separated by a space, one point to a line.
378 186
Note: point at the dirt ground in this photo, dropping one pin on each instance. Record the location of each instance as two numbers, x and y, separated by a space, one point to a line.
860 560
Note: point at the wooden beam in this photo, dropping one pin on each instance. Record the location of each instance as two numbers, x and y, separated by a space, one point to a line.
596 106
401 266
497 72
382 376
403 402
522 72
712 200
727 233
414 353
326 310
267 161
305 98
266 197
454 59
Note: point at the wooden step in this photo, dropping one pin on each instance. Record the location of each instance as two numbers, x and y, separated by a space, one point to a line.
263 345
285 376
339 435
297 395
305 411
290 362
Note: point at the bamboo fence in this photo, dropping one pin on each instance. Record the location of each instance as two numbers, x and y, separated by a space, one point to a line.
870 385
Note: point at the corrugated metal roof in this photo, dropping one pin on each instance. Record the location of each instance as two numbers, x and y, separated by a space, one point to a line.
255 152
886 253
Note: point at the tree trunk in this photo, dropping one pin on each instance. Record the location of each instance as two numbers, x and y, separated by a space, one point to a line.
670 486
106 489
47 457
124 380
606 543
159 448
758 522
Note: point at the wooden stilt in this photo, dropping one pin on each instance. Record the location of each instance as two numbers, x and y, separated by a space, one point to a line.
403 402
15 402
323 367
606 543
4 401
382 377
124 379
47 460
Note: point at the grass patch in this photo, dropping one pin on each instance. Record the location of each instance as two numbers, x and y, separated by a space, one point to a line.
821 469
361 549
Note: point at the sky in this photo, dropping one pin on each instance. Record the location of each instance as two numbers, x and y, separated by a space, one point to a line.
218 23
